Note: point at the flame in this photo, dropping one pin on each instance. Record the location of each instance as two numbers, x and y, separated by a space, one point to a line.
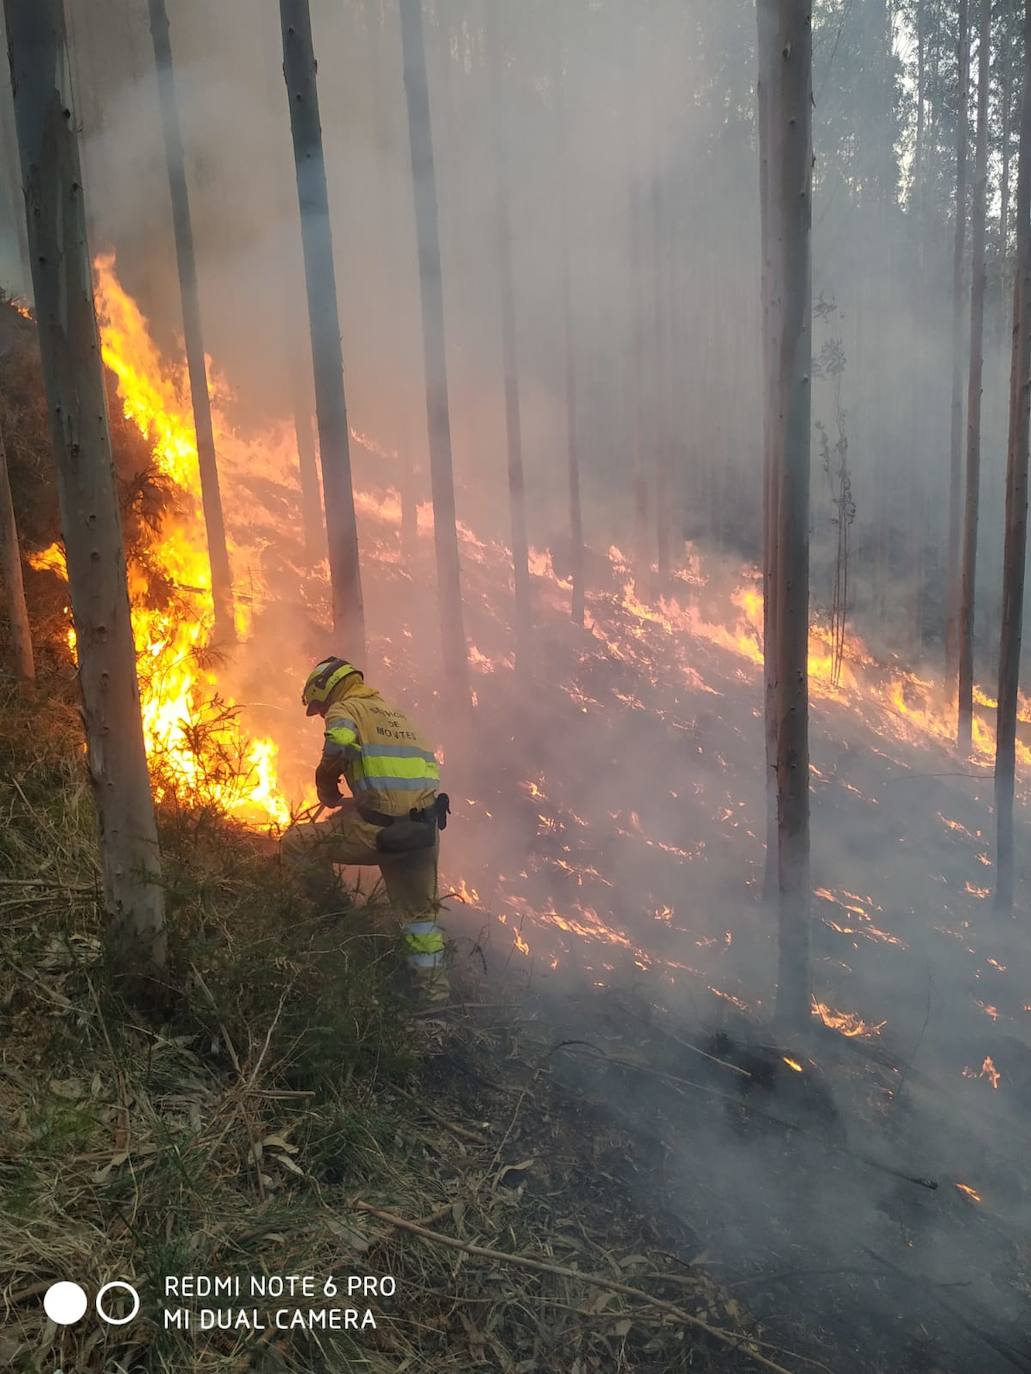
848 1023
191 728
793 1064
969 1192
987 1070
192 725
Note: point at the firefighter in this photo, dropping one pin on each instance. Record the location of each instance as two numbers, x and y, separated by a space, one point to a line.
391 819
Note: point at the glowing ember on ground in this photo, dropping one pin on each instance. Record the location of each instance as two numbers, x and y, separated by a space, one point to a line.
969 1192
848 1023
987 1070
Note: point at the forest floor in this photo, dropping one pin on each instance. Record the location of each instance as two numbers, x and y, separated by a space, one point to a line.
634 1171
607 1100
285 1089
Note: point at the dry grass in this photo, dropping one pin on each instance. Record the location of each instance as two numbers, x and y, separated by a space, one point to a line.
236 1136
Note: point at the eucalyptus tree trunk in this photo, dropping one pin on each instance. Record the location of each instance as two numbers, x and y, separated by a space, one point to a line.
766 88
1015 545
324 322
74 379
293 356
789 219
921 100
1005 158
431 286
211 497
9 155
1005 58
973 469
660 351
638 412
509 346
576 528
403 434
307 462
17 614
956 409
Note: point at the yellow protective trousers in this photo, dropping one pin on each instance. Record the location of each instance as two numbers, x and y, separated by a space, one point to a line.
314 848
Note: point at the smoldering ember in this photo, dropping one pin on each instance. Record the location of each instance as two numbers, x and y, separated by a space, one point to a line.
515 757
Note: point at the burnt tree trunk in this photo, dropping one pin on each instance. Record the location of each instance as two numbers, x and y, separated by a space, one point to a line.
21 636
576 530
211 498
1015 546
74 379
299 70
956 409
509 344
789 211
431 286
973 469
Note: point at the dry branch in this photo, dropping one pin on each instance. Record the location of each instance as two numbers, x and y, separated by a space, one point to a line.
564 1271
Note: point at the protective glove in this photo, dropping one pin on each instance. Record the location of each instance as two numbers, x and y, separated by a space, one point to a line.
327 787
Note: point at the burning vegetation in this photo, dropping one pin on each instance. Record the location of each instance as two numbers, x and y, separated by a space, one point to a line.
734 1068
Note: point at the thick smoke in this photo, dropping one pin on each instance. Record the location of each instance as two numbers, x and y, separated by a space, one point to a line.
610 805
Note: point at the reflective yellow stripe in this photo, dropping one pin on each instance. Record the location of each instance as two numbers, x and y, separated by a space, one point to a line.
376 767
425 944
342 735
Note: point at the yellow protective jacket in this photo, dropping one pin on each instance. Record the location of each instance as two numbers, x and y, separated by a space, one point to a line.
384 760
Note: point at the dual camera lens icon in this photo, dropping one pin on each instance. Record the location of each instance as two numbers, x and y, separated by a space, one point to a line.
65 1303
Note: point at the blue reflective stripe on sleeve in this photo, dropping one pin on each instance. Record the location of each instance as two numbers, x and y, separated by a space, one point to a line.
381 784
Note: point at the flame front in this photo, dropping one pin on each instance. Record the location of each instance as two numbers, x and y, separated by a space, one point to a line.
192 732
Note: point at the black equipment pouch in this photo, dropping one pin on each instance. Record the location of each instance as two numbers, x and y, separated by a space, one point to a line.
417 830
404 836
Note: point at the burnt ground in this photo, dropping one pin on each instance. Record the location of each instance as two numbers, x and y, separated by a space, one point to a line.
820 1196
613 880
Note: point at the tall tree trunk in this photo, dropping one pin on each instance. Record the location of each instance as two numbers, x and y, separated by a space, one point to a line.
921 96
403 433
431 286
973 470
660 352
1005 100
956 410
9 154
307 463
211 498
17 614
1015 546
790 207
87 493
509 346
638 415
766 94
576 530
324 320
1005 58
292 353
